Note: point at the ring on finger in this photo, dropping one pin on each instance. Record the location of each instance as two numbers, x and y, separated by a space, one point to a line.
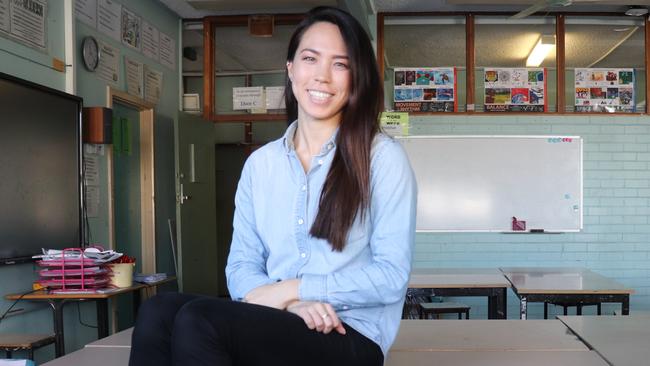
324 315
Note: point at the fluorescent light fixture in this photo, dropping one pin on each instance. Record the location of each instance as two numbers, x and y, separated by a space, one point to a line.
544 45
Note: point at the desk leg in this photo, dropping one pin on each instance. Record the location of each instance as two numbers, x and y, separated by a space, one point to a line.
501 306
625 305
492 305
57 312
102 318
137 298
523 303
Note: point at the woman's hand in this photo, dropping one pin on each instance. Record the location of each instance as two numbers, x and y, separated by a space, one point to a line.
276 295
317 315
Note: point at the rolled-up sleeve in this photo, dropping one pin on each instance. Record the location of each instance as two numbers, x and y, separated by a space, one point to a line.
246 267
392 214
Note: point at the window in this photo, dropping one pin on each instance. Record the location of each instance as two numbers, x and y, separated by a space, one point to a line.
605 64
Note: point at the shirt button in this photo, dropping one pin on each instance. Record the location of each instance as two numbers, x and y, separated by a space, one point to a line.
304 187
320 162
345 307
303 255
330 146
300 221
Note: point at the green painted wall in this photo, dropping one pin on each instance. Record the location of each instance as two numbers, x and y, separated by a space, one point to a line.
37 318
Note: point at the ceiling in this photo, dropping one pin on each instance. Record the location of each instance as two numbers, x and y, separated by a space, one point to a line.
424 44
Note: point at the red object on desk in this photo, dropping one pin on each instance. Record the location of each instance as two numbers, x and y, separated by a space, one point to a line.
518 225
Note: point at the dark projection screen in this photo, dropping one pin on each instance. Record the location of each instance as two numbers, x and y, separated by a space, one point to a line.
40 149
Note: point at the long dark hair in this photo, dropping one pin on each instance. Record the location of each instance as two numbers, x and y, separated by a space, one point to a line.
346 191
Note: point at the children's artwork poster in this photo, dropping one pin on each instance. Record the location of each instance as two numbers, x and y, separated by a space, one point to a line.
515 90
425 89
131 28
605 90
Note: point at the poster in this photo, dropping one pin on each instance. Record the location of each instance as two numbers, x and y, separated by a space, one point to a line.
130 29
605 90
275 97
109 63
515 90
92 201
150 40
27 22
153 81
425 89
4 16
248 98
134 77
167 51
108 18
86 12
395 123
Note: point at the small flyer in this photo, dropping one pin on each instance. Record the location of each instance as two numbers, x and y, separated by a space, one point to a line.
134 77
150 39
86 12
424 89
108 18
153 82
515 90
605 90
395 123
248 98
109 64
275 97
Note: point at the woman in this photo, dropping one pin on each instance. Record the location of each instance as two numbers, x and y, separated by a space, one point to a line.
323 228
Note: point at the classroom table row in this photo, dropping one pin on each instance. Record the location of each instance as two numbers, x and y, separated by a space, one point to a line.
565 286
569 341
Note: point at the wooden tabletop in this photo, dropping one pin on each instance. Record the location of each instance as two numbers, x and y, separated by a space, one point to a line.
121 339
46 295
98 356
552 280
621 340
25 341
490 358
485 335
457 278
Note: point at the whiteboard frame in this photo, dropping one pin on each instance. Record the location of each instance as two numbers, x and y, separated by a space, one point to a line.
582 207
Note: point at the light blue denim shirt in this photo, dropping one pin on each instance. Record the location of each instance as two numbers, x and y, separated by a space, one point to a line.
276 204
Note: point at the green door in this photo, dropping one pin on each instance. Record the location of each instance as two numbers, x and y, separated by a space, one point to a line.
198 260
126 196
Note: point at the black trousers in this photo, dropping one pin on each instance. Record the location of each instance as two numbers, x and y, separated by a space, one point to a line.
181 329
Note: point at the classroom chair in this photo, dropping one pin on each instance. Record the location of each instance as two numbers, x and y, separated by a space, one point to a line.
565 306
29 342
437 308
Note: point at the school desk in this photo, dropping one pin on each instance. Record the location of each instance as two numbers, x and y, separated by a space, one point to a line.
58 301
621 340
120 339
571 286
102 356
491 358
465 282
485 335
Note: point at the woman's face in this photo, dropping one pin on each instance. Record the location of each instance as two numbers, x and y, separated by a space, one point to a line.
320 74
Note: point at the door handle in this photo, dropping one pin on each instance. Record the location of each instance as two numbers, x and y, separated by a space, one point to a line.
182 197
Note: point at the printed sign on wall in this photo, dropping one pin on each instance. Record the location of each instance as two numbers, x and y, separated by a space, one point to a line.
424 89
515 90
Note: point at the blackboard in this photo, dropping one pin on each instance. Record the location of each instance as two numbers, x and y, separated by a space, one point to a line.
479 183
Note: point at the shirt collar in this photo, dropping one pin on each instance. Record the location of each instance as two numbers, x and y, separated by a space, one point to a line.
287 139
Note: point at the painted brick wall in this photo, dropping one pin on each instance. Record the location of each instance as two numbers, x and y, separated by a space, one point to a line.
615 241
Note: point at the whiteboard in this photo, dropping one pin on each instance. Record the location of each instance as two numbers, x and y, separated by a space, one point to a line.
478 183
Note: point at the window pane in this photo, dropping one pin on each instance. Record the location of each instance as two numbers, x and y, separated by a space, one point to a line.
421 43
604 46
505 44
242 60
